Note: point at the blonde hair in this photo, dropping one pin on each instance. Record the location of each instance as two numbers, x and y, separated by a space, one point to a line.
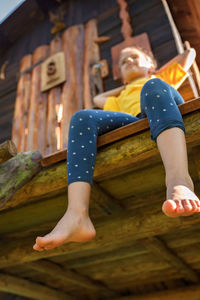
147 54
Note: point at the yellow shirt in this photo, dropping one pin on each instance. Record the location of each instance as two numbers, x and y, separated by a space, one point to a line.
129 99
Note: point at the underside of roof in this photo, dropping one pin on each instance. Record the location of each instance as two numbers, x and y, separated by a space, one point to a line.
138 252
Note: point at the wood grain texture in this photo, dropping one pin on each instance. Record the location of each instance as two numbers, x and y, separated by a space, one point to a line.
72 90
22 102
91 56
36 97
53 133
23 287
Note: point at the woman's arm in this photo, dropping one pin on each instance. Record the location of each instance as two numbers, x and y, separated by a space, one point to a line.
100 99
185 59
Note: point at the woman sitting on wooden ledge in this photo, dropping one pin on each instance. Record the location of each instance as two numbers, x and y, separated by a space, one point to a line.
146 93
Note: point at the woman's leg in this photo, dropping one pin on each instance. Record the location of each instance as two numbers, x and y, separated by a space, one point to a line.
159 102
85 126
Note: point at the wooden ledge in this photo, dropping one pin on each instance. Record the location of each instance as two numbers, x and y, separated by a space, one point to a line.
121 133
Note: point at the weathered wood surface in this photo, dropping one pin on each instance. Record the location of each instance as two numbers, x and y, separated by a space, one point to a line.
7 151
184 293
158 247
16 172
92 56
70 277
22 102
72 90
26 288
109 233
54 97
36 97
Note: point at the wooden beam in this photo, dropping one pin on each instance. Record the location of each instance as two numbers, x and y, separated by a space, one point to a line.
158 247
16 172
26 288
69 277
196 158
119 158
132 227
104 203
185 293
7 151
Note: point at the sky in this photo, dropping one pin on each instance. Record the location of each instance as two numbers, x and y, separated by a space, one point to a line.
7 7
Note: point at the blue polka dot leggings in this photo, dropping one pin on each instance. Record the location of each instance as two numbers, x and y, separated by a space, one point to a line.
159 103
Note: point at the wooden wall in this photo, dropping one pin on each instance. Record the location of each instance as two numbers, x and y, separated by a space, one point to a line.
143 19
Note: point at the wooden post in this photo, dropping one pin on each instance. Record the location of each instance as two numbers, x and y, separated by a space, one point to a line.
72 91
36 97
54 99
91 57
22 102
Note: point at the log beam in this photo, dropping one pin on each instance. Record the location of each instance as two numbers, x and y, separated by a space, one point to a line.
7 151
26 288
191 292
69 277
158 247
104 203
16 172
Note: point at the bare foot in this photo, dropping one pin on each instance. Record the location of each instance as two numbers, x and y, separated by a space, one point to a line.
181 201
72 227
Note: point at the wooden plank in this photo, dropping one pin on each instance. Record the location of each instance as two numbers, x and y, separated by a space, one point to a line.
122 132
159 248
26 288
91 57
184 293
53 134
196 157
132 227
69 277
105 203
35 97
72 90
20 119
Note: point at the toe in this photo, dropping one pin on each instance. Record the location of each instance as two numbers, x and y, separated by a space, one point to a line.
169 208
198 205
187 205
194 205
43 241
38 248
179 207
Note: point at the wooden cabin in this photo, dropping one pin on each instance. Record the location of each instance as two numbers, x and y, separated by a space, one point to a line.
138 252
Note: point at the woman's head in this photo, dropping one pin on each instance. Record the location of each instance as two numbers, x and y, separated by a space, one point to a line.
134 63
